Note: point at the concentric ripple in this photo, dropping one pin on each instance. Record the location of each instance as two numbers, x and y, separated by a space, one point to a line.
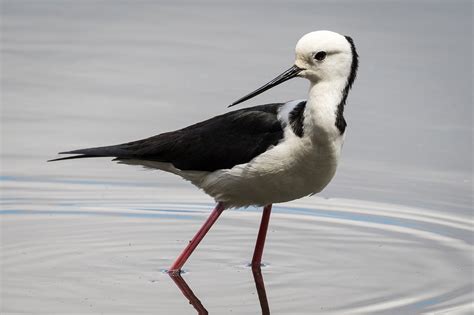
105 252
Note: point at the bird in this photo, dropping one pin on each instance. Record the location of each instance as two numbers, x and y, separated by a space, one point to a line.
260 155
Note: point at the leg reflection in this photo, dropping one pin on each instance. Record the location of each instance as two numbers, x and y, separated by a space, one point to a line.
262 295
194 301
188 293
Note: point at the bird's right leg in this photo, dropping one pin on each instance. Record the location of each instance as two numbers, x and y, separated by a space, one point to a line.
262 234
181 260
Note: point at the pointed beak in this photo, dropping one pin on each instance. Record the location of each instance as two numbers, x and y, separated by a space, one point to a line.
285 76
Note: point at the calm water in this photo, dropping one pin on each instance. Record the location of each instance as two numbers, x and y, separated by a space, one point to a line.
392 234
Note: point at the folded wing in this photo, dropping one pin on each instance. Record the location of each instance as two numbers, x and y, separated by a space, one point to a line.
218 143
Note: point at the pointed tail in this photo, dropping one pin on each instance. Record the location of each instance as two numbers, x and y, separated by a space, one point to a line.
116 151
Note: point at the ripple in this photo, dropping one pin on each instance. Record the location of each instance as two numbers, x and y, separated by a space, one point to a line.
332 256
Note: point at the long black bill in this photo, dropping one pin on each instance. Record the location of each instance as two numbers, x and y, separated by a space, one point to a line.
285 76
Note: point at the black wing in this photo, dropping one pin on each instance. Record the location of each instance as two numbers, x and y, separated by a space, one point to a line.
217 143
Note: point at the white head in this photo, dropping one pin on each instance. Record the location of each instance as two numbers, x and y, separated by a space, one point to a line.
325 56
321 56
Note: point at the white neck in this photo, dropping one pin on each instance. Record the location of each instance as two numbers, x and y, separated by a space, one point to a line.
321 109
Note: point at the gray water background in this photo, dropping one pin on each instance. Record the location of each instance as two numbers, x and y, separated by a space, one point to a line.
89 73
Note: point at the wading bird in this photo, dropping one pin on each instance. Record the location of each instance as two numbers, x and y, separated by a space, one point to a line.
260 155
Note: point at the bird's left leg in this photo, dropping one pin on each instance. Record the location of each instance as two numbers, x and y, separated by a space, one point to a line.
262 234
179 262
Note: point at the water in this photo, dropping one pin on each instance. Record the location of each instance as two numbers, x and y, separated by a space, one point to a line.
392 234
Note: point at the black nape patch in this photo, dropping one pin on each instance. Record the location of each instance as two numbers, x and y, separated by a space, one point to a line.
354 64
296 118
340 121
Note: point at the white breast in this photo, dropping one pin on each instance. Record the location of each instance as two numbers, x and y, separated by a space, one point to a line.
295 168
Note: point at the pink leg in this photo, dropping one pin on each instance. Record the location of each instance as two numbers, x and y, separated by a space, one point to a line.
262 234
181 260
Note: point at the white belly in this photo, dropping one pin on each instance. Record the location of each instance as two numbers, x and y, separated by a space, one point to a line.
291 170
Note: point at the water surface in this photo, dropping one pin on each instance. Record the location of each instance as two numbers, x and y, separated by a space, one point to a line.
392 233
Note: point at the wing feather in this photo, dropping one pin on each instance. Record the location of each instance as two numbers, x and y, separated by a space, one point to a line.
217 143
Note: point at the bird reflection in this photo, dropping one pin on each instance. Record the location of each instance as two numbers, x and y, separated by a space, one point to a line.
188 293
260 285
196 303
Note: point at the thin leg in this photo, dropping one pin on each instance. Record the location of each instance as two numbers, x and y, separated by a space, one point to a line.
262 234
181 260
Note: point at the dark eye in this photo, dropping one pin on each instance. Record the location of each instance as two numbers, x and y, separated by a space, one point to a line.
320 55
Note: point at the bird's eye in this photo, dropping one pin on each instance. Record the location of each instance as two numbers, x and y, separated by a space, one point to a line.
320 55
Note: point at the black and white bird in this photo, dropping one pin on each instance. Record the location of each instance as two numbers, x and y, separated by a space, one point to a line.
260 155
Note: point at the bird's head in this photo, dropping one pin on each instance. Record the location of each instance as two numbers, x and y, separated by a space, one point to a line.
320 56
324 56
